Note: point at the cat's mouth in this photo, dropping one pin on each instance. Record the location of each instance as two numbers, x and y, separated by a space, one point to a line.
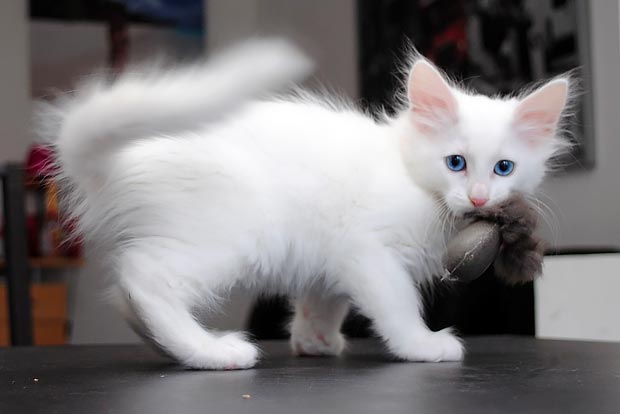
490 207
469 211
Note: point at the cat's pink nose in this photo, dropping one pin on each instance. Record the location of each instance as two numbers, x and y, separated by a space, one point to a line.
478 202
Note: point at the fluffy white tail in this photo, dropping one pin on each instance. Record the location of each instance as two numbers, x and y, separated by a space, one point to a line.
99 119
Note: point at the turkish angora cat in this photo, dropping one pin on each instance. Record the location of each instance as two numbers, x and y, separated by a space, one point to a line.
183 192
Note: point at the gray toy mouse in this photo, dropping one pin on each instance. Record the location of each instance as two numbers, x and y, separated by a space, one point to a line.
502 234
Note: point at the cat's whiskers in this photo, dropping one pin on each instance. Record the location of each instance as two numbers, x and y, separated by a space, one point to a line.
548 216
435 224
556 207
446 217
439 221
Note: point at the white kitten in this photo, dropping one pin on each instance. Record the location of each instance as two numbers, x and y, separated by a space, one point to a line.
290 195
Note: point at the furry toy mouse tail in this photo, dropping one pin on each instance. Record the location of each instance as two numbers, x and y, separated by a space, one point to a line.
100 118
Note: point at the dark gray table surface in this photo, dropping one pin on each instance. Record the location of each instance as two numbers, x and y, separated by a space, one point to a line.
499 375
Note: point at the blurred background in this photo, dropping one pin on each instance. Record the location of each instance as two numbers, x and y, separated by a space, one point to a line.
50 295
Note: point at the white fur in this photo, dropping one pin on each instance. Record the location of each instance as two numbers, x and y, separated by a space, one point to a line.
183 199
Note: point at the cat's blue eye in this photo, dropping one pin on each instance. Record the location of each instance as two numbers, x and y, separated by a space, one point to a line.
456 162
504 167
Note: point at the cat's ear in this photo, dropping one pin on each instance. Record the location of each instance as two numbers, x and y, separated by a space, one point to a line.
538 114
431 100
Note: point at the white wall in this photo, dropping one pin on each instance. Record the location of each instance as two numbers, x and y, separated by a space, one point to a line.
578 298
228 21
14 85
62 53
588 202
325 29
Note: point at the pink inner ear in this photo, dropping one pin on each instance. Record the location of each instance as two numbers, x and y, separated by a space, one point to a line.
536 123
537 115
430 111
432 102
426 103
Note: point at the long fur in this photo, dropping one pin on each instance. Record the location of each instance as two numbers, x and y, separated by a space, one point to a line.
147 101
184 187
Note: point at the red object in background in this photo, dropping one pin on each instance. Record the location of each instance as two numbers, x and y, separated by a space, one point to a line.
453 35
40 161
72 247
48 233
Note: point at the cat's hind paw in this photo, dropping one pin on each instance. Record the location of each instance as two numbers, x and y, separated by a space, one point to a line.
317 343
228 352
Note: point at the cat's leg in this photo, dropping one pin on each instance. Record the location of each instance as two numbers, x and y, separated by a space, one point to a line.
161 311
385 292
316 325
120 300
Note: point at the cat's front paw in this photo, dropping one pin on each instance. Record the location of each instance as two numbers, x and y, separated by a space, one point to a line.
432 347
